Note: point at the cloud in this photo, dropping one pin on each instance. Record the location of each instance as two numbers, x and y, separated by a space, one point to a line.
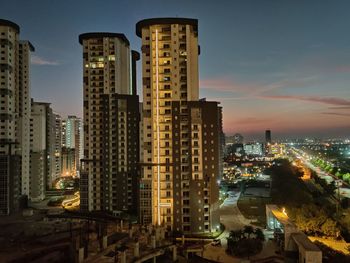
336 114
251 121
342 69
36 60
340 108
225 84
323 100
246 89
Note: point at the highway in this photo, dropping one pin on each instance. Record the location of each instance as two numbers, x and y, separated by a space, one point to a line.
344 190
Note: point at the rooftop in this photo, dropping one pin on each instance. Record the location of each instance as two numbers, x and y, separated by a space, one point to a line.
302 240
4 22
102 35
165 20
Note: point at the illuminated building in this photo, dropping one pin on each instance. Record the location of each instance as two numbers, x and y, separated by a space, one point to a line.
14 116
68 162
181 134
110 168
253 149
63 136
277 150
73 138
57 146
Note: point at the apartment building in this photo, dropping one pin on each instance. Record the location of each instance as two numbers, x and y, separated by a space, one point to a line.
14 116
109 172
181 134
73 135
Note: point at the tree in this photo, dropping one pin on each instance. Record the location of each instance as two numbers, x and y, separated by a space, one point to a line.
330 188
246 242
329 228
235 235
247 247
259 234
248 230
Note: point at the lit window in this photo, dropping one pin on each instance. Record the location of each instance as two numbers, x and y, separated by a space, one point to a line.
111 57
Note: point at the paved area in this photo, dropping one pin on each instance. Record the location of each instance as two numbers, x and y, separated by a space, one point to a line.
231 217
257 191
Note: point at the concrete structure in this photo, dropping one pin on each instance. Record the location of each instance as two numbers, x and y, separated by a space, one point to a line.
294 240
14 116
109 176
308 252
181 134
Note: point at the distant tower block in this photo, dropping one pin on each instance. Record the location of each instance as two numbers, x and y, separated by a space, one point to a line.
268 136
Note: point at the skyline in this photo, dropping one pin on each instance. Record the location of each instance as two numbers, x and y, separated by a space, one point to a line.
281 65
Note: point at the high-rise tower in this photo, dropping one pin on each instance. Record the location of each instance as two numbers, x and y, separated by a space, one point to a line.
74 139
180 164
14 116
109 172
268 136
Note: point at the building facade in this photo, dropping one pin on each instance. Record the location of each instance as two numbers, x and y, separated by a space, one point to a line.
38 151
14 116
109 172
181 134
268 138
58 147
68 162
73 135
253 149
43 149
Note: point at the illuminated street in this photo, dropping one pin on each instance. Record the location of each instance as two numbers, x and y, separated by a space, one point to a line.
72 203
343 191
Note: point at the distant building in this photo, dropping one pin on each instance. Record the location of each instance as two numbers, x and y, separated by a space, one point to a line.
276 150
39 153
14 116
235 139
110 168
73 135
63 136
57 146
68 162
253 149
268 136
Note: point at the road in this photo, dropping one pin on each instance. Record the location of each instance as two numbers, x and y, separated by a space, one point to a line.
343 191
232 219
73 202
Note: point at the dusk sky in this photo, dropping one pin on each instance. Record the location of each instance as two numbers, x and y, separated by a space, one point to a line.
282 65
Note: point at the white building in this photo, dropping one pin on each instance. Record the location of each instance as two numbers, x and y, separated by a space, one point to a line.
14 116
